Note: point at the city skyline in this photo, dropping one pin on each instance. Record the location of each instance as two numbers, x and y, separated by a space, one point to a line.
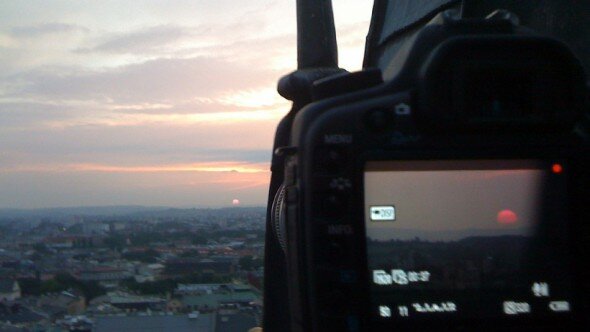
167 104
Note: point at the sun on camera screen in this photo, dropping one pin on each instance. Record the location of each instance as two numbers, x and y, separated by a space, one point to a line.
467 238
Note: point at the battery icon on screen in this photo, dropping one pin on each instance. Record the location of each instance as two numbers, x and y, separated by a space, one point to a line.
382 213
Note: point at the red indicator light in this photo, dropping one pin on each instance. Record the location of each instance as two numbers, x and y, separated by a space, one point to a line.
556 168
507 217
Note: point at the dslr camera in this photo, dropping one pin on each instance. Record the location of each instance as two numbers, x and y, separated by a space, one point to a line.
449 191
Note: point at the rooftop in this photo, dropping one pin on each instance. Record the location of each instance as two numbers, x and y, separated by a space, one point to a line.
214 300
6 285
156 323
235 322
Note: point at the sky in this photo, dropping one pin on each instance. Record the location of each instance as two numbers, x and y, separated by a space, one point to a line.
155 103
444 204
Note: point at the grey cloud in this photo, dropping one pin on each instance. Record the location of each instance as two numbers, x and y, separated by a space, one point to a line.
254 156
189 107
46 28
128 155
152 81
142 41
264 48
15 114
157 40
32 114
139 145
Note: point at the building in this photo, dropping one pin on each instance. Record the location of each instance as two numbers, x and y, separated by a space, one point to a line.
61 304
75 323
60 242
9 290
229 321
94 228
148 272
193 322
130 302
181 266
104 274
197 288
17 315
211 297
212 302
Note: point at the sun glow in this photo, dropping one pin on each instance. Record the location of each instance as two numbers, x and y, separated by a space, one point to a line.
228 167
238 107
171 120
198 167
260 98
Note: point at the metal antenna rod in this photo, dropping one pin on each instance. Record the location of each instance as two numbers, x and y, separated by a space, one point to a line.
317 57
316 35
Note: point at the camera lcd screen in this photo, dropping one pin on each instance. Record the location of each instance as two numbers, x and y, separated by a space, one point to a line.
466 239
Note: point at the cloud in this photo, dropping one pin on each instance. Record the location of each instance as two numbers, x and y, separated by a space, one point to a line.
181 189
40 30
276 51
143 41
172 39
23 113
160 80
139 145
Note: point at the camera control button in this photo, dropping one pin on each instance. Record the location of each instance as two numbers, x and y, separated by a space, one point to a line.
379 119
402 109
342 322
331 322
334 205
333 301
335 251
339 229
340 184
346 276
331 159
334 184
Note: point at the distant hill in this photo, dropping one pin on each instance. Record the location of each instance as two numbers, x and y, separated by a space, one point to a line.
404 234
76 211
119 211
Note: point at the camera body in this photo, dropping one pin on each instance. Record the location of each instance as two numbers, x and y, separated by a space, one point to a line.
448 192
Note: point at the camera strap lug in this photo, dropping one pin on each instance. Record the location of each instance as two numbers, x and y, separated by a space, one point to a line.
286 151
